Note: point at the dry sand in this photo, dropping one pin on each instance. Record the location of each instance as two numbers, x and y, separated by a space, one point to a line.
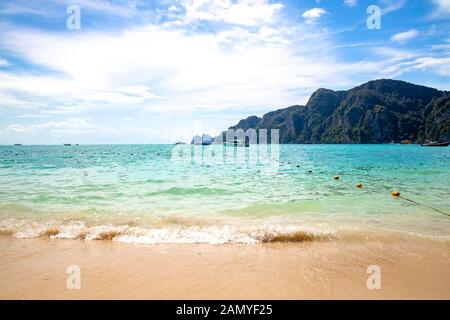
36 269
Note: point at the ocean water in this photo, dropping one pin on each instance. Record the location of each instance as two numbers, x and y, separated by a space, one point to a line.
217 194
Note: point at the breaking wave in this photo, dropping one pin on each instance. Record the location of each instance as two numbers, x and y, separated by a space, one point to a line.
173 230
209 234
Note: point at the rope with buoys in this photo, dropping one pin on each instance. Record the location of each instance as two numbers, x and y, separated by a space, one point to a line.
397 194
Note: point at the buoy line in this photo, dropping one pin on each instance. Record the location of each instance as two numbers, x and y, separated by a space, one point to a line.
397 194
424 205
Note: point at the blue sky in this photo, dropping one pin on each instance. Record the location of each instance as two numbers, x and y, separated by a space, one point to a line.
162 71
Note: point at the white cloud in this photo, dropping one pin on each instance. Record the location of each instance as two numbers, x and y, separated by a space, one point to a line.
139 91
21 9
71 125
399 62
125 8
165 70
240 12
54 8
440 66
3 63
8 100
389 6
66 91
442 8
313 15
394 54
404 37
79 130
351 3
443 47
32 116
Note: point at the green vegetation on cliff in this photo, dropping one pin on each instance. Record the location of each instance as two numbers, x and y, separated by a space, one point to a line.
380 111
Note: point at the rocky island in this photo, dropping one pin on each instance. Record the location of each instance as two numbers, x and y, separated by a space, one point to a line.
379 111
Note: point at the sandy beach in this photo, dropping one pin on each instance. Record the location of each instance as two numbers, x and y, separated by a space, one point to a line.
410 269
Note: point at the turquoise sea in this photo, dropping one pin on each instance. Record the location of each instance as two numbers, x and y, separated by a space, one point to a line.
217 194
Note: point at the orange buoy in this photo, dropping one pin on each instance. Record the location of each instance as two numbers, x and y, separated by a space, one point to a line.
359 185
395 194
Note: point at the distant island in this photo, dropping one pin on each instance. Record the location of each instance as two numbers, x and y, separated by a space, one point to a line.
204 139
379 111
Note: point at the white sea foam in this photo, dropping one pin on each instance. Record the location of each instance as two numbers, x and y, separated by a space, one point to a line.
209 234
213 232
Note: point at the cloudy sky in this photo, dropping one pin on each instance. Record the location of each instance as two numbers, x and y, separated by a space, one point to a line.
160 71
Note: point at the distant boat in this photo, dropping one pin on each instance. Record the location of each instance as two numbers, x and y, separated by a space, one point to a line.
203 140
17 144
406 142
237 143
436 144
180 143
67 144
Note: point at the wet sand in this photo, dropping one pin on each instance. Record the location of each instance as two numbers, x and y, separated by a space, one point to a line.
410 269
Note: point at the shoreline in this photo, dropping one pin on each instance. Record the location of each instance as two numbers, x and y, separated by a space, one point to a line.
410 269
